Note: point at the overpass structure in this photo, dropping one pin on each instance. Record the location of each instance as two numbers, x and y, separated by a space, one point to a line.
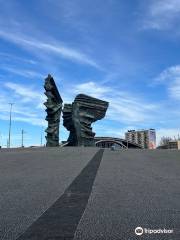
107 142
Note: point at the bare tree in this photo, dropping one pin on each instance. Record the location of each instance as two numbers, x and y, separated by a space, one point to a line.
165 141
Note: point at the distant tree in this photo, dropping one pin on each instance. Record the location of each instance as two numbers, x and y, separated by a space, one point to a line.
165 141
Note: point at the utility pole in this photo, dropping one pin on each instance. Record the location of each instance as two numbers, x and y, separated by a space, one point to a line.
10 116
22 139
0 141
41 136
41 139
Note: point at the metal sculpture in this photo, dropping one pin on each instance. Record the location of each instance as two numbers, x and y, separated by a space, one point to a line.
53 109
78 117
69 125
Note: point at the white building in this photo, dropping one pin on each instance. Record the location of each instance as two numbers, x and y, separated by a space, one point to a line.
145 138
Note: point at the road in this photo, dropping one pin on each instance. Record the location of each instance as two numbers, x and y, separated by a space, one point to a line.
87 194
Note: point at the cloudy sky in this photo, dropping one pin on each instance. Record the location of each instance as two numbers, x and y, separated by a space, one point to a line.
122 51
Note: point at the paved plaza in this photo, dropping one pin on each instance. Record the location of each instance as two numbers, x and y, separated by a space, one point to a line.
89 193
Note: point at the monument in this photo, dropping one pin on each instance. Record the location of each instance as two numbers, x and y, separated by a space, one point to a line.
53 109
78 117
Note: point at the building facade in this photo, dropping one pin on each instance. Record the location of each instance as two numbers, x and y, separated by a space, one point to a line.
174 144
145 138
171 145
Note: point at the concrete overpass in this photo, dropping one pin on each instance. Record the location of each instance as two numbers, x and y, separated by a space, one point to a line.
107 142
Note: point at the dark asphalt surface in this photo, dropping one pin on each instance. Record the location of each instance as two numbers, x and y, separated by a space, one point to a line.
31 180
132 188
61 219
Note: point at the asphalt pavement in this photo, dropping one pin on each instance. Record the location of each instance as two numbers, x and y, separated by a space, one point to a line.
85 194
31 180
134 188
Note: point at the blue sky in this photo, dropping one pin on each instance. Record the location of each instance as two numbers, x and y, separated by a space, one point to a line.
122 51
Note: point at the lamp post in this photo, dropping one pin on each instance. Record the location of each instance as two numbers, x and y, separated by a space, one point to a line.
10 118
22 139
0 140
42 136
41 139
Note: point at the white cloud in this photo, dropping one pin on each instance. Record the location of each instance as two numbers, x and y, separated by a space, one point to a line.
93 89
123 106
27 107
36 121
23 72
19 116
52 47
11 57
171 77
27 92
169 74
161 14
175 90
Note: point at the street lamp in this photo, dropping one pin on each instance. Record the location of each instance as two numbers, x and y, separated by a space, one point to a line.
10 116
22 140
0 140
42 136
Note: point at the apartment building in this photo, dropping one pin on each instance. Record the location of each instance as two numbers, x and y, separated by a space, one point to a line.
145 138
